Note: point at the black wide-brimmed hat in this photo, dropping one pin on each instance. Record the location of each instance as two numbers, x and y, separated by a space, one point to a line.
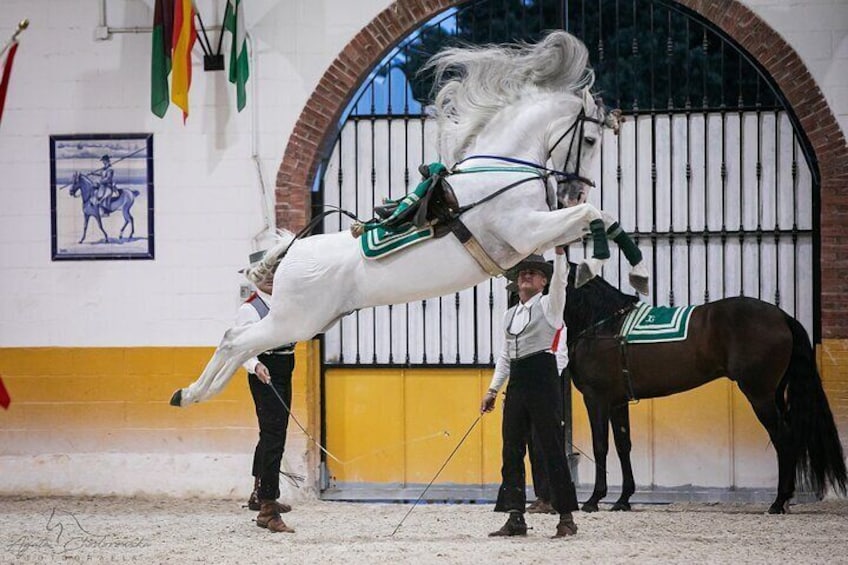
534 262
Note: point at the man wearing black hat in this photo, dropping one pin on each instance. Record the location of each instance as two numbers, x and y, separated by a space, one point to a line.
270 369
534 386
106 187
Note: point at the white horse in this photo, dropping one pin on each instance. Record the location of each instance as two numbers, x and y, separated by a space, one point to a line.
512 109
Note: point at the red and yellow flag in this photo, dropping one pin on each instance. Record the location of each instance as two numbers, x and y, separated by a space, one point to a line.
184 37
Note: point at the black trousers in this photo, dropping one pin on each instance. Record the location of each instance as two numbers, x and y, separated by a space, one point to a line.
541 485
530 406
273 420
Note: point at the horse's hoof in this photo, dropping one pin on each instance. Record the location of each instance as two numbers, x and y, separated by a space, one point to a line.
777 508
620 507
640 283
177 398
584 275
590 507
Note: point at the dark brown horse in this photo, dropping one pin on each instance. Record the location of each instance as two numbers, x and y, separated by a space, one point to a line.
753 343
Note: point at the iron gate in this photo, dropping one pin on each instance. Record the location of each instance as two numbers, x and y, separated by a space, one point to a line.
709 172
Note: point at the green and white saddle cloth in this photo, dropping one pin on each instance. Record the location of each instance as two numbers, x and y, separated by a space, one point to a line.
380 242
649 324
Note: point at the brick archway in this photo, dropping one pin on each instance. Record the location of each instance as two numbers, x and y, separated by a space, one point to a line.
317 123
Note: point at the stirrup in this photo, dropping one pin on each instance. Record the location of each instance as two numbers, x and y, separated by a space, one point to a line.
386 210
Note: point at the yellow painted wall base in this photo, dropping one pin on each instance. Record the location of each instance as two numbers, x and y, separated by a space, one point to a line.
77 406
395 426
82 417
833 361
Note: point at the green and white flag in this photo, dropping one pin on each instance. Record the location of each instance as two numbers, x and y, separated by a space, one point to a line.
239 72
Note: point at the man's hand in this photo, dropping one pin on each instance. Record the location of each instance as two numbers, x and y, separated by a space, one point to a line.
261 372
488 402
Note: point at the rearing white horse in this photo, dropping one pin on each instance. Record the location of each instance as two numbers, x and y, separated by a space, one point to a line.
514 109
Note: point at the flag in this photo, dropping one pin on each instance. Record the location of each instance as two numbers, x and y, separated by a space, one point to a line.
184 37
5 399
163 31
239 72
4 86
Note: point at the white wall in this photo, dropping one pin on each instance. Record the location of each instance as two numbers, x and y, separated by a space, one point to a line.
818 31
207 190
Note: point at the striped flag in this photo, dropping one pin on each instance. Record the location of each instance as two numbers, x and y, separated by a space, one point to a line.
4 82
239 72
160 68
184 37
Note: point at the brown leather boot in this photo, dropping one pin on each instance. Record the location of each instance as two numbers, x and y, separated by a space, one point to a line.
514 526
269 517
253 501
566 526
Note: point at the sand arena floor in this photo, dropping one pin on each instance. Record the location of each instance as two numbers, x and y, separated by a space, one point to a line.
119 530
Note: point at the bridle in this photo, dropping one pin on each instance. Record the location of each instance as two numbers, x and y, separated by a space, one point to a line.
577 127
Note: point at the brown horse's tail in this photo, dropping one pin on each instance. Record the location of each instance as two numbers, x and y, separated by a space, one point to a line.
820 459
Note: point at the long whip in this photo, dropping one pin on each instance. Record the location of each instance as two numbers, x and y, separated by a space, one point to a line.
455 449
299 425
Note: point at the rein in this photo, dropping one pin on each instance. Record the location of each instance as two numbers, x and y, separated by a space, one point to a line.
566 177
618 313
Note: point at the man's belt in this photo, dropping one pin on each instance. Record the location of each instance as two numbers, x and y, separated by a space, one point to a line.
287 349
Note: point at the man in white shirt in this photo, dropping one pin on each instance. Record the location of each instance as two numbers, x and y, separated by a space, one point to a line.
534 385
270 369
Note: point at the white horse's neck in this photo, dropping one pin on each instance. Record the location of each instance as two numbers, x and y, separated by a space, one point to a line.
525 131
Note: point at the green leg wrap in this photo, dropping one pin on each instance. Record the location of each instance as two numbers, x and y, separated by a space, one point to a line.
625 243
600 246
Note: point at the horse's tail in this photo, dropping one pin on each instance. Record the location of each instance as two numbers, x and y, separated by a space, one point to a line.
265 269
820 460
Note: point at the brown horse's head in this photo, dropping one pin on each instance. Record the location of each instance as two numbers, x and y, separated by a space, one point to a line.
596 306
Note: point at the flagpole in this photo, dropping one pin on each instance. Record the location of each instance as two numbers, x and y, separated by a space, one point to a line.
22 25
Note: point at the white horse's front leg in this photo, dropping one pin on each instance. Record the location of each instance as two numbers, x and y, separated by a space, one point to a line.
639 273
563 226
543 230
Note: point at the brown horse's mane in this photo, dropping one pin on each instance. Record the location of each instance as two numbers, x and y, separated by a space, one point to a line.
595 306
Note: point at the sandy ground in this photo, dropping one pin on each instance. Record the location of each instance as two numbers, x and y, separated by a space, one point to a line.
116 530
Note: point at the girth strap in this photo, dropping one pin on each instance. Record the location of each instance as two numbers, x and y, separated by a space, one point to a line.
474 248
625 368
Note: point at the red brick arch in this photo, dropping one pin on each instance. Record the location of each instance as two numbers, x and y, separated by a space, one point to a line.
317 124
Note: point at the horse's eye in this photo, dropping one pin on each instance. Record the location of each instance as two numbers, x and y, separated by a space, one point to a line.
590 141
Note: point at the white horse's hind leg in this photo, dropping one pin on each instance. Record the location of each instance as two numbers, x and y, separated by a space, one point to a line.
239 344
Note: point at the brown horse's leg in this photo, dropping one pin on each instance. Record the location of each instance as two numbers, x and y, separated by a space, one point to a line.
598 410
620 420
767 414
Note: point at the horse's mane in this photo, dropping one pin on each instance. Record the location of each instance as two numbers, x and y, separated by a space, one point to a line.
594 302
485 79
267 266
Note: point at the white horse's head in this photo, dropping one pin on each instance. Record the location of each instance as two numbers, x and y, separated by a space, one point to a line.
575 146
536 98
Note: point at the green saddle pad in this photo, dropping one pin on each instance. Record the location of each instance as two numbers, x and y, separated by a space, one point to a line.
648 324
380 242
